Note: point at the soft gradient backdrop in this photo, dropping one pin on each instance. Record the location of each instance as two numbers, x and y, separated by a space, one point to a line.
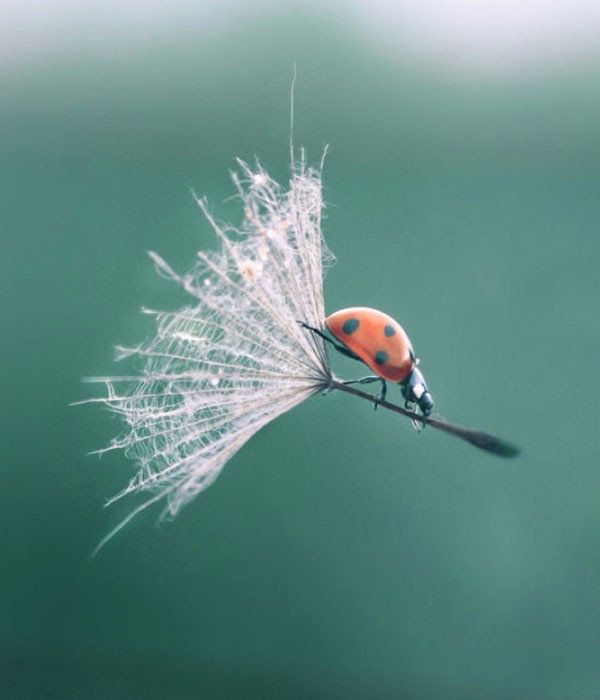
339 555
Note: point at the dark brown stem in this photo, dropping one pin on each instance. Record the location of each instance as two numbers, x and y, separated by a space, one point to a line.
478 438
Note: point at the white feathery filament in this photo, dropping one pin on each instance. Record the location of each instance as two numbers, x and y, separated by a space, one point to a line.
236 357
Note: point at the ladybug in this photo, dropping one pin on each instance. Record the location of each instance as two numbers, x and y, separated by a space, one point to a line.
382 344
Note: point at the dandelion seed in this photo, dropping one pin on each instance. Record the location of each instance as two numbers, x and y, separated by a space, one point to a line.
247 348
235 358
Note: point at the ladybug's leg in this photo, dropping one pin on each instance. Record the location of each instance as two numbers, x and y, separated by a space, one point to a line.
363 380
339 348
368 380
409 402
410 405
348 353
381 393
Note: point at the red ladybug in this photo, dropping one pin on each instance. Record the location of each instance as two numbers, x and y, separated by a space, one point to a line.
383 345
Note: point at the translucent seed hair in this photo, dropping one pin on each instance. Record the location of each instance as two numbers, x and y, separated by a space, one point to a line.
235 358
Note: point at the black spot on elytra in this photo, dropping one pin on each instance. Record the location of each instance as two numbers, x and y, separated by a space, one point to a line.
350 326
381 357
389 331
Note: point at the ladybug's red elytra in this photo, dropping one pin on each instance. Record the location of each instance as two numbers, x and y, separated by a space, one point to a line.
379 341
382 344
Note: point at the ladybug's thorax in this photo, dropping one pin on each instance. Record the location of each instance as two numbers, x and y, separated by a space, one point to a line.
375 338
415 390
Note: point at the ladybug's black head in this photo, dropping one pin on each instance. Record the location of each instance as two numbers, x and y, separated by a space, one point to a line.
415 390
426 403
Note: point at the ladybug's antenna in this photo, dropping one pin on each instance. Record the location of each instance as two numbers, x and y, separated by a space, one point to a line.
478 438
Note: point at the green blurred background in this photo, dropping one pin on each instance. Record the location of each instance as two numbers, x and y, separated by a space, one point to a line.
339 555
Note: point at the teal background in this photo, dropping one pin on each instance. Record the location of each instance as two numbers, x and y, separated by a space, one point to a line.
339 555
